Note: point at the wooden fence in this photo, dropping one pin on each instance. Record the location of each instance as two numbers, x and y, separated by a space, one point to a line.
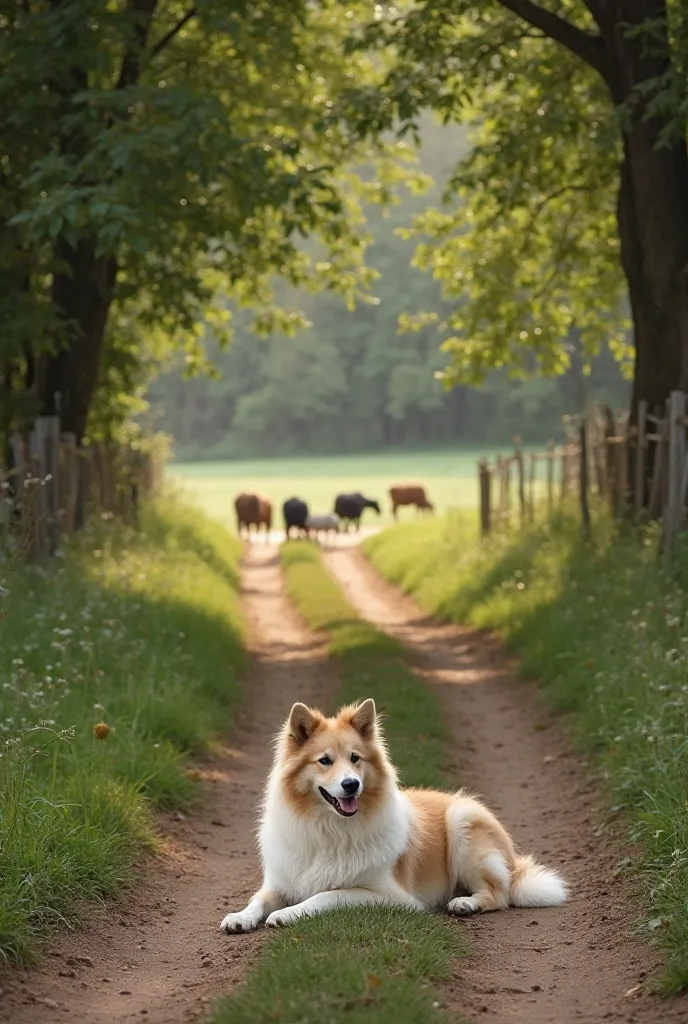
55 485
641 470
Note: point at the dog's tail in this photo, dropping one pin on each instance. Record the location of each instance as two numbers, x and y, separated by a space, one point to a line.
533 885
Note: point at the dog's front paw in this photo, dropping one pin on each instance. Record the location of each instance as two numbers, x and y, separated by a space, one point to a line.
464 906
279 918
241 922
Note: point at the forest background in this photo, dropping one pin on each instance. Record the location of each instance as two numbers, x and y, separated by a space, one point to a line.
353 381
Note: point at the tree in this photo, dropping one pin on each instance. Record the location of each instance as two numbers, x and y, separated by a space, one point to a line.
352 382
153 152
581 98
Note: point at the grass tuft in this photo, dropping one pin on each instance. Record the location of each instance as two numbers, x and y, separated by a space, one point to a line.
372 962
605 628
135 631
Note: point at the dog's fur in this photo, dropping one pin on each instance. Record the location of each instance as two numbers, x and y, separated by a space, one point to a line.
322 847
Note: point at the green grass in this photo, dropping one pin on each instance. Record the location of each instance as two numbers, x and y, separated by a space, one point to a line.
605 628
139 630
375 962
450 479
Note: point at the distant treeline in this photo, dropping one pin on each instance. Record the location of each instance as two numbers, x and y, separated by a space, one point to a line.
352 382
286 396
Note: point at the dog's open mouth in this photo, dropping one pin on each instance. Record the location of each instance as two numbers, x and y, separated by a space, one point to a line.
346 805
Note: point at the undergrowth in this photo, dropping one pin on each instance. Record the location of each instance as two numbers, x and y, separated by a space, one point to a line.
604 626
117 661
372 962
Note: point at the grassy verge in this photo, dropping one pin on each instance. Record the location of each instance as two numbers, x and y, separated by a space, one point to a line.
376 962
134 637
605 628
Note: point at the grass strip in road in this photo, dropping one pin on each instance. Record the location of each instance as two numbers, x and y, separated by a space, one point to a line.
117 661
378 963
604 626
371 664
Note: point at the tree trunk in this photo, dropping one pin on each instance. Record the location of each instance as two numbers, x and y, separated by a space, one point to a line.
652 211
653 201
68 377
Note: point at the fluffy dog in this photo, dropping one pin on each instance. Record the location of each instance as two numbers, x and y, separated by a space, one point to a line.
337 830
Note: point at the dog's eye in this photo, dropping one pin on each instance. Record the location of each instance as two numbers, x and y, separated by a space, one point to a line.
325 760
355 758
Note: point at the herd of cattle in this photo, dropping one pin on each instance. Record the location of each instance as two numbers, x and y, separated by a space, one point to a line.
254 511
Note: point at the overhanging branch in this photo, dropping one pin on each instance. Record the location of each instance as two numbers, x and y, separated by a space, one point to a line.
586 45
169 36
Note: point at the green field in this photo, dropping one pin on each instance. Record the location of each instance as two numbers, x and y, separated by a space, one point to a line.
450 479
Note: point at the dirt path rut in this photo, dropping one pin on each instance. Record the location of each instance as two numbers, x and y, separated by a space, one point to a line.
158 955
571 965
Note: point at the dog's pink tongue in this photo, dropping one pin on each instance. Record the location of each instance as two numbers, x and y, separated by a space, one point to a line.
348 804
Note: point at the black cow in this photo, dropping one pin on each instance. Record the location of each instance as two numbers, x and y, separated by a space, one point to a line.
349 508
295 514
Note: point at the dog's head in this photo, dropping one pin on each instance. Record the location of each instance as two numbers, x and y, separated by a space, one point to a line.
333 765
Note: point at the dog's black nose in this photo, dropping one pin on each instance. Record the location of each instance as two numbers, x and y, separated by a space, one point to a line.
350 786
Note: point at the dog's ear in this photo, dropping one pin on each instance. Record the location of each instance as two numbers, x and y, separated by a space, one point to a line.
364 718
302 723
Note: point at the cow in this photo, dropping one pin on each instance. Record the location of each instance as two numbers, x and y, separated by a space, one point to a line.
253 510
410 494
325 523
295 514
349 508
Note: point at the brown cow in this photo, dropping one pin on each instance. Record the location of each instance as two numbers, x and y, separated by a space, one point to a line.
253 510
409 494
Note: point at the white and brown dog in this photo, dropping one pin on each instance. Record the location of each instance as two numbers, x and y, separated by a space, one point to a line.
337 830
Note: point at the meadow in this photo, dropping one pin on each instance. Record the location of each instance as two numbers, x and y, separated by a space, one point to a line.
450 479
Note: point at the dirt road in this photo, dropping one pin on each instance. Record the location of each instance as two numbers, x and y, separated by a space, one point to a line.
559 966
158 955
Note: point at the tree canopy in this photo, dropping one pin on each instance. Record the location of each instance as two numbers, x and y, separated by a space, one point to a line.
154 154
352 382
164 165
576 193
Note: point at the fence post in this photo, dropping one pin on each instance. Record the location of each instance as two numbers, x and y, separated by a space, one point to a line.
600 458
531 487
673 510
564 471
37 495
501 485
485 510
520 469
622 457
585 508
640 458
71 482
657 485
507 490
550 475
48 428
611 465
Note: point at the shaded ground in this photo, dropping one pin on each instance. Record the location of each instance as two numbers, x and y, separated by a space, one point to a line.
578 963
157 955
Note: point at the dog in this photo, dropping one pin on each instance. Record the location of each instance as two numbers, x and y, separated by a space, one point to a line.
337 830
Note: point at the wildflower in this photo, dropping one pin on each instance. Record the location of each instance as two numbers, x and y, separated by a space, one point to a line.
101 731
